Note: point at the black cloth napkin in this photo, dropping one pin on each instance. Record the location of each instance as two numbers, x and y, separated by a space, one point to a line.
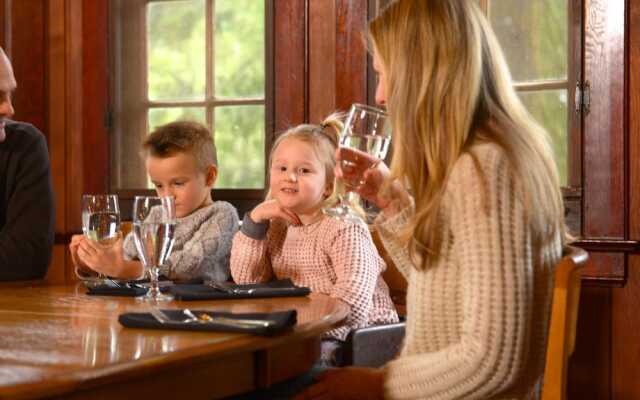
131 288
280 321
106 290
125 289
279 288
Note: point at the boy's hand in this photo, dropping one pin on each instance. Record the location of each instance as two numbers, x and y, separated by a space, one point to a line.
104 260
271 209
73 249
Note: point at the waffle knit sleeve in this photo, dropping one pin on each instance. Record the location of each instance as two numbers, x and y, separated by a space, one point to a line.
358 267
492 251
250 259
206 253
389 230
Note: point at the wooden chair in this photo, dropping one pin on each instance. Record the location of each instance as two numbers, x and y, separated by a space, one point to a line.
562 327
374 346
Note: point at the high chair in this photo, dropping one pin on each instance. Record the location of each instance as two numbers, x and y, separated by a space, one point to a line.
562 326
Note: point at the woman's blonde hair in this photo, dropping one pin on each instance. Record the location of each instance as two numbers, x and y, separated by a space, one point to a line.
323 139
449 87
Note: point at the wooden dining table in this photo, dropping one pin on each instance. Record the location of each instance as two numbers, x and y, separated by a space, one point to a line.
59 342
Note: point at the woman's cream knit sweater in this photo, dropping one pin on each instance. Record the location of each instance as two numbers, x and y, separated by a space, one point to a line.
478 316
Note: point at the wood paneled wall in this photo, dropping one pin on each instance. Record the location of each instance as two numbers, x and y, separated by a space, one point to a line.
625 318
321 59
44 39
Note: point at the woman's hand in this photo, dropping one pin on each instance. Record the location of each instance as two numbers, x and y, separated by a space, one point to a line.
345 384
371 174
271 209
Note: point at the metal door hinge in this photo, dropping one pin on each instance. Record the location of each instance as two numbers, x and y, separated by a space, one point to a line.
108 120
583 97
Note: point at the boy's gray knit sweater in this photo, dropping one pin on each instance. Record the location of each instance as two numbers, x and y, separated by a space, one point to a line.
202 244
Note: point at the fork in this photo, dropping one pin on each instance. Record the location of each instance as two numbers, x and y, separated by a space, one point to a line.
228 289
125 285
159 315
241 323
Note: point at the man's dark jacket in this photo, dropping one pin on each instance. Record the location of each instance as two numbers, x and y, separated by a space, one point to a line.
26 204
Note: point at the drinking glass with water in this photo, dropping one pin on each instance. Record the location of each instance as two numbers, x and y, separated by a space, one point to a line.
154 223
101 224
367 130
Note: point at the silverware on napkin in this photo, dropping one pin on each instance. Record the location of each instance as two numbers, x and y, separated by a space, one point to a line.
226 288
159 315
229 288
241 323
203 318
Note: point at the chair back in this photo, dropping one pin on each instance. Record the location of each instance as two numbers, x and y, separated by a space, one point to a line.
562 327
394 278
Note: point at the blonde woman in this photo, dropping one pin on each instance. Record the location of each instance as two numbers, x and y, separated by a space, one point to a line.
471 212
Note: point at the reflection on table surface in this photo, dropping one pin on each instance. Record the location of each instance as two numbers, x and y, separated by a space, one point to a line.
55 334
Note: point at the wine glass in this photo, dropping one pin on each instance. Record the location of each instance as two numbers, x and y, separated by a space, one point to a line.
367 130
101 224
154 223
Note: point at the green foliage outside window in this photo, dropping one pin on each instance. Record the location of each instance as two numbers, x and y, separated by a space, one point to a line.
534 36
177 42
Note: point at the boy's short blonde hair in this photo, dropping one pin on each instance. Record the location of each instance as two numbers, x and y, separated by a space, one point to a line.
182 137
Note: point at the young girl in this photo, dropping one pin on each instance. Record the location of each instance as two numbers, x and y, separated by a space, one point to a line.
480 235
288 236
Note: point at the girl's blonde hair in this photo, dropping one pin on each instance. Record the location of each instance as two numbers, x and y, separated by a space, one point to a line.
449 87
323 138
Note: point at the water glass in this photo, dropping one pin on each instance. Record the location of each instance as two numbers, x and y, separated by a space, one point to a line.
101 224
367 130
154 223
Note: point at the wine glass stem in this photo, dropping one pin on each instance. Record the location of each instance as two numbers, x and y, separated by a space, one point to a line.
154 290
345 199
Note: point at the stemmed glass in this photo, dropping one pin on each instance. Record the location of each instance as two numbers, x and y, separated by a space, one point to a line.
100 223
367 130
154 223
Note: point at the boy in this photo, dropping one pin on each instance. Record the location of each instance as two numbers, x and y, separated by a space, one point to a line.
181 162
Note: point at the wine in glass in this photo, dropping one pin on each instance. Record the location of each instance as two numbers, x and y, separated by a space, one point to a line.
101 224
154 223
366 130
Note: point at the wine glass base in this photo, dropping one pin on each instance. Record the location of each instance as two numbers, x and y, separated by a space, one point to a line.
151 298
94 282
343 213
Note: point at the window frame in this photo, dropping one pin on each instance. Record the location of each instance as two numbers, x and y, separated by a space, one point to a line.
598 138
572 191
136 98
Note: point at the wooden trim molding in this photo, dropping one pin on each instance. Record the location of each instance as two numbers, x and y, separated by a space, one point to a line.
609 246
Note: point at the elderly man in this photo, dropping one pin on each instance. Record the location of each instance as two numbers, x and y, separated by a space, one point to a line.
26 197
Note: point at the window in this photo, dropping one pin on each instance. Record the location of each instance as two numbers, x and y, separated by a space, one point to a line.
567 53
541 40
204 60
535 38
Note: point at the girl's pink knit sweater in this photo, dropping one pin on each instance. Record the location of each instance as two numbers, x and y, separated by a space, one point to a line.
330 256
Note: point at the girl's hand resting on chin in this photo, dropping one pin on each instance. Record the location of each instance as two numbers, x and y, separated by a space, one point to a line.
271 209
